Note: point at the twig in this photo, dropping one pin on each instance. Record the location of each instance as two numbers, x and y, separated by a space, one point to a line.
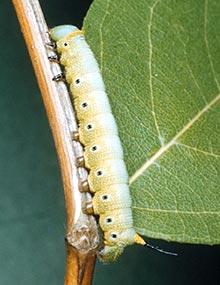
82 237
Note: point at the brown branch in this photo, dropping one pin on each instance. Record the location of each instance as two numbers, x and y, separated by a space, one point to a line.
82 235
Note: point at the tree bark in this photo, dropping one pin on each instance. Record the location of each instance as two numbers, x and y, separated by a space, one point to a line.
82 238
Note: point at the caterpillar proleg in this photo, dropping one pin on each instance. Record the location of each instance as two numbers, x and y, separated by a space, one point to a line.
103 153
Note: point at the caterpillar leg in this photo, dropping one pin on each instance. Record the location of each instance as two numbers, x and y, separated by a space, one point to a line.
80 161
59 77
84 187
75 136
53 58
51 44
89 208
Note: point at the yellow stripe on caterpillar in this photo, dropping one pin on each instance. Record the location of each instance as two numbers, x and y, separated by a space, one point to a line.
75 34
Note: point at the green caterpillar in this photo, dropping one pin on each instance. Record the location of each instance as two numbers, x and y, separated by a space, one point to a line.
103 153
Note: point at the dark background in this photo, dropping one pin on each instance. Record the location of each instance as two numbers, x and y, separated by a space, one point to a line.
32 214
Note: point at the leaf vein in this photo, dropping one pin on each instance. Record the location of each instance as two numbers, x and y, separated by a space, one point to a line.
198 197
179 237
199 150
176 211
207 44
101 34
172 142
150 68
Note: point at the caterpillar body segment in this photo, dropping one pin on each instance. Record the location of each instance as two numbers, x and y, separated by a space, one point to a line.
116 220
118 197
73 71
106 174
86 83
120 238
91 104
103 148
103 154
99 126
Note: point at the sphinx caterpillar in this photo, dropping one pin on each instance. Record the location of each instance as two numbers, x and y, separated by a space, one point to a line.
103 153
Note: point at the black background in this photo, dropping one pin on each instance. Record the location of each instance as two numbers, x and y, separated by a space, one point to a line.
32 214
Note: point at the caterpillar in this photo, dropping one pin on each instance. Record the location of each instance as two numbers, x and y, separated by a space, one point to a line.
98 132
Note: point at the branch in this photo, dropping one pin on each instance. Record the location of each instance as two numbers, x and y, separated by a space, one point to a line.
82 237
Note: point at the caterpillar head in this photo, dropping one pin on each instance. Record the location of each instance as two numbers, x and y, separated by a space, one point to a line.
115 242
64 36
59 32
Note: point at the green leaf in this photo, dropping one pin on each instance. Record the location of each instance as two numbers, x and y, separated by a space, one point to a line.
161 65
